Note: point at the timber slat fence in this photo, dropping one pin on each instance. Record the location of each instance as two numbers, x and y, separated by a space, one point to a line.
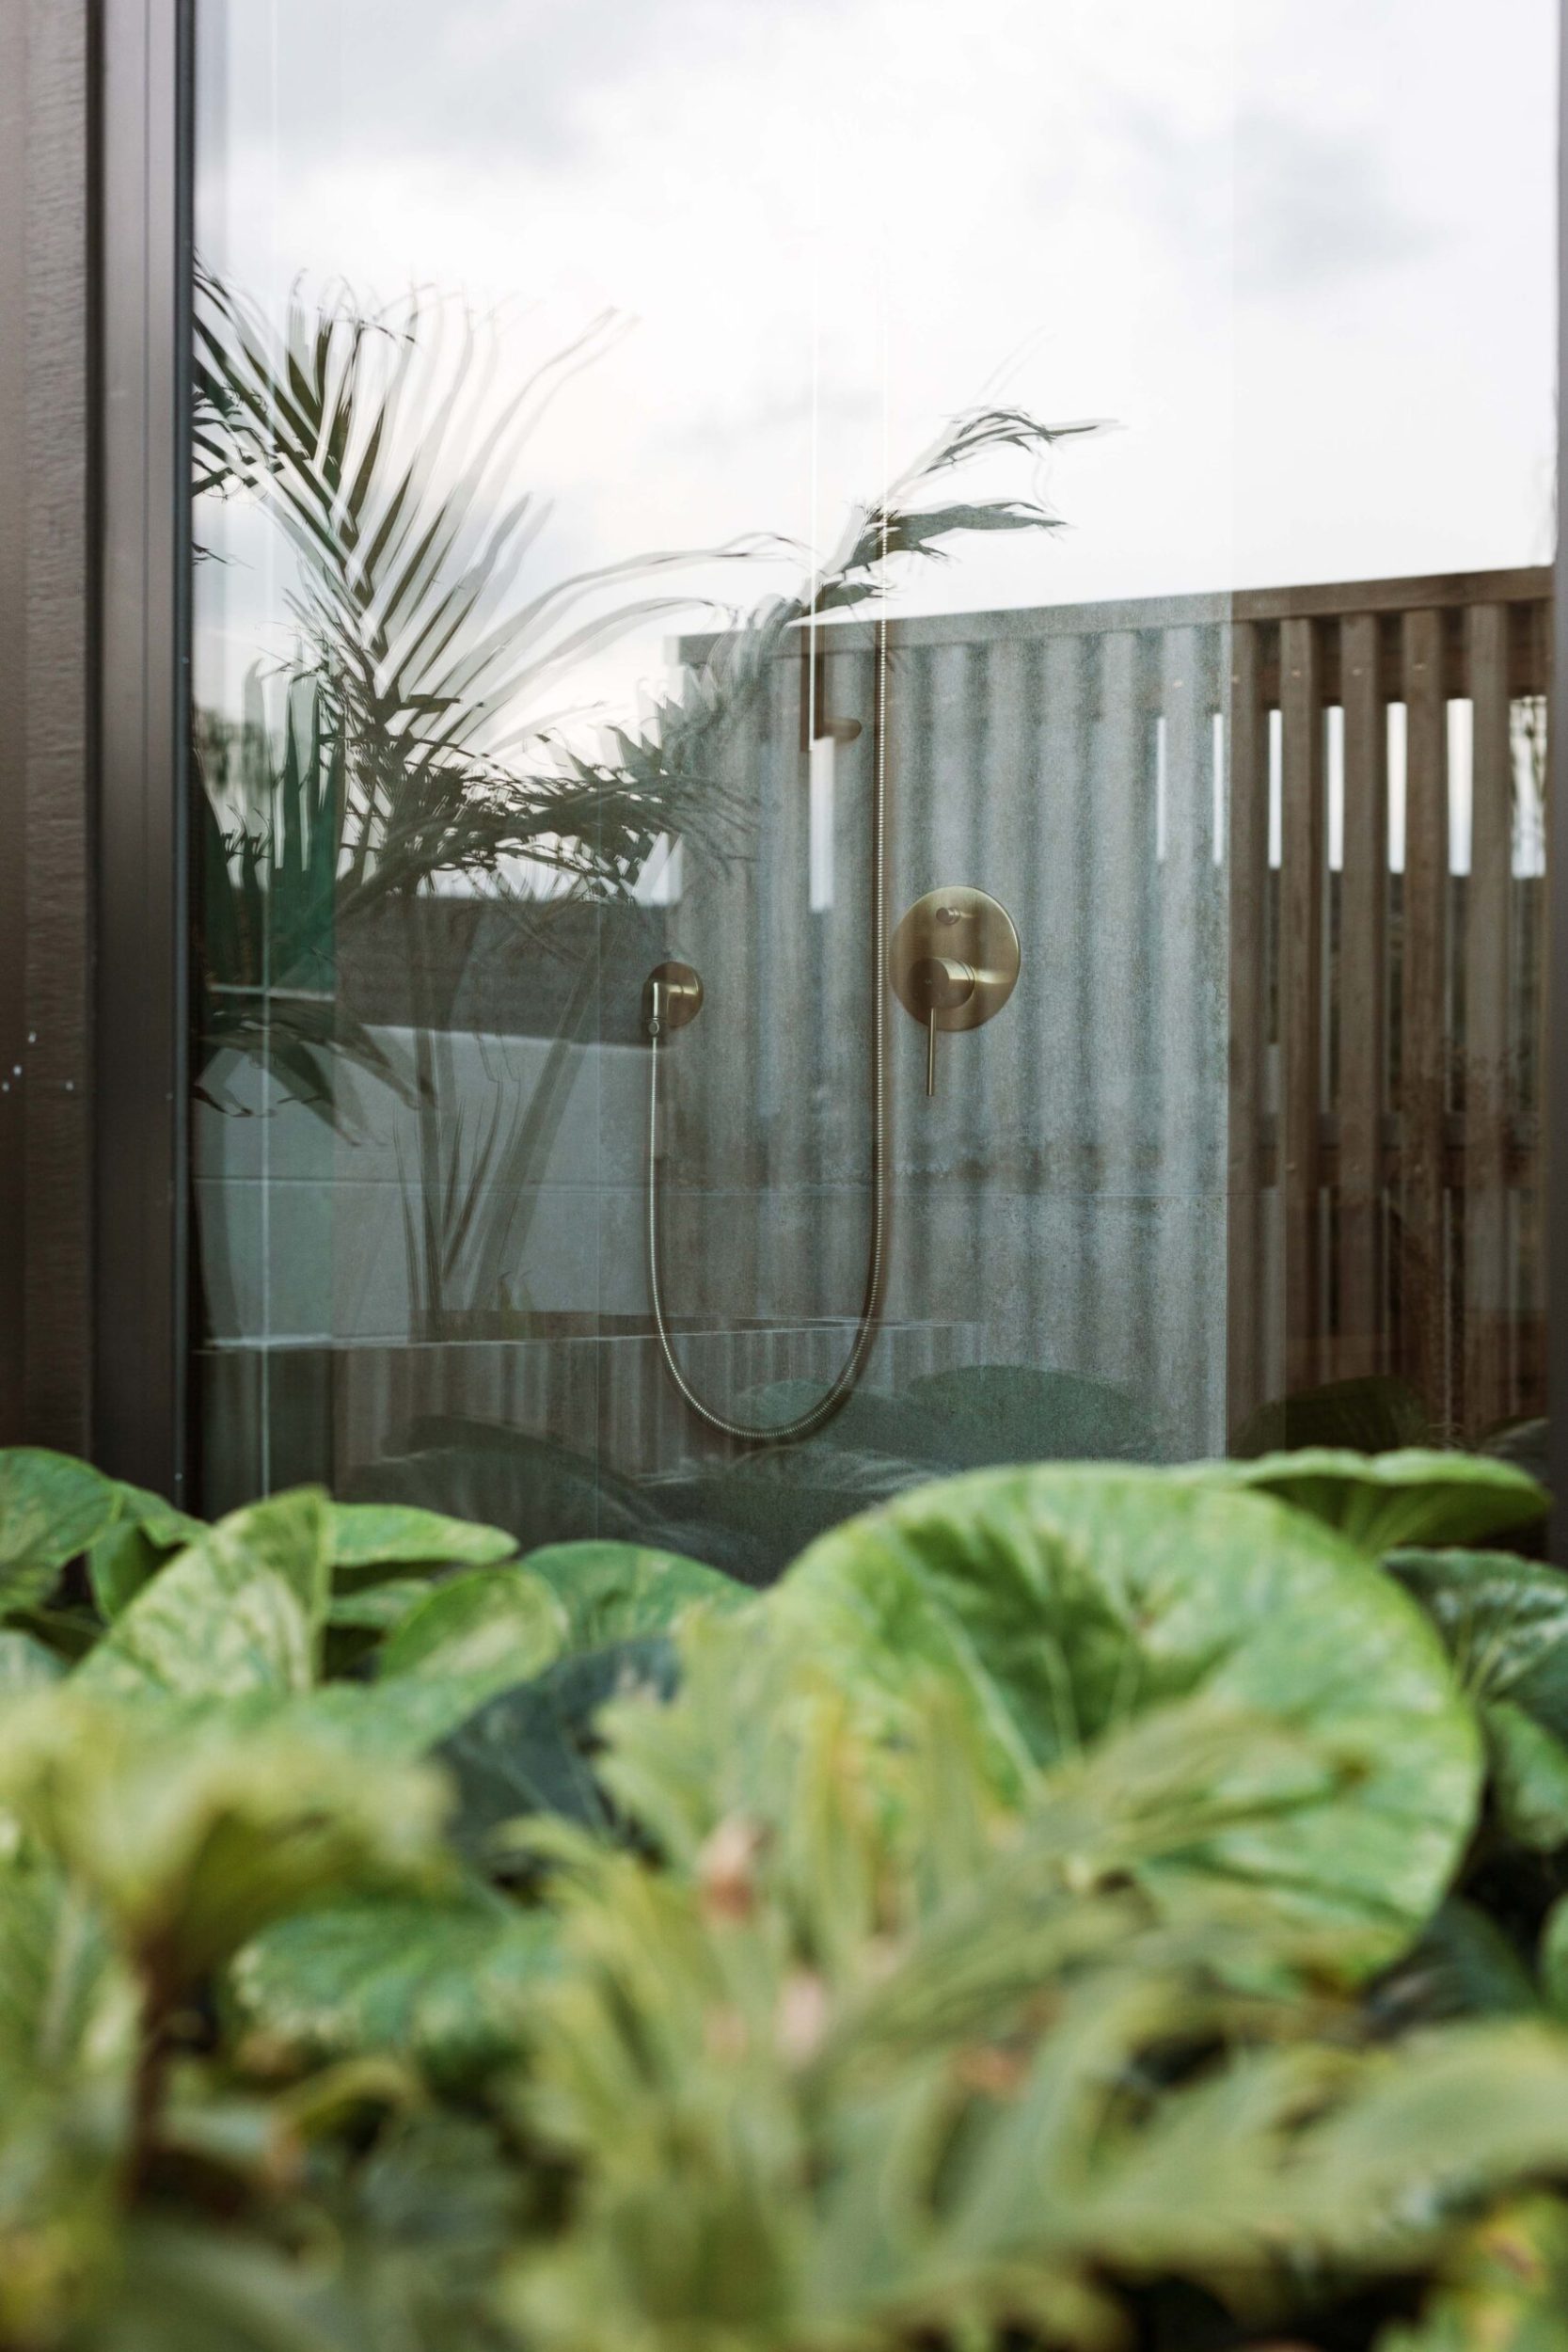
1390 1159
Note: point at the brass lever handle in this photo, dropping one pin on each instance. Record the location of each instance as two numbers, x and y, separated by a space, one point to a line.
953 961
942 983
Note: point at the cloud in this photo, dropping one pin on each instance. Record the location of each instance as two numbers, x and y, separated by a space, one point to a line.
1315 206
488 79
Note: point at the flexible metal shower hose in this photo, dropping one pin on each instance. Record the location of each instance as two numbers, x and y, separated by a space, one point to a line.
817 1416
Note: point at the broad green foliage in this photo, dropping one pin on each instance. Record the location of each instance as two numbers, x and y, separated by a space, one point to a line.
531 1749
1381 1502
240 1611
64 2002
1060 1602
1528 1775
1505 1622
967 1944
451 1984
371 1540
50 1509
496 1625
618 1592
134 1548
192 1837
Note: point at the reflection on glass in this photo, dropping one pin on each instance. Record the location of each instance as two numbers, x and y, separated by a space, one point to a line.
557 618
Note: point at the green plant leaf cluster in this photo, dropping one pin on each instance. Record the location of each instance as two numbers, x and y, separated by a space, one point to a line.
1077 1905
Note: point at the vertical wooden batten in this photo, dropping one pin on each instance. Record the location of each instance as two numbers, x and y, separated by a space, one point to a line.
1301 993
1486 1072
1362 1000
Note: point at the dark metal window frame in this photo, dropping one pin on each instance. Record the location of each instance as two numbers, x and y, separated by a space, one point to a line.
140 1314
143 911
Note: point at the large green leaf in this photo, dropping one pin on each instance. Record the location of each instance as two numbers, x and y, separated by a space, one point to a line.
1504 1620
370 1541
194 1834
1382 1502
59 1990
376 1608
130 1554
50 1509
531 1750
1058 1602
241 1611
500 1625
447 1983
612 1592
1529 1774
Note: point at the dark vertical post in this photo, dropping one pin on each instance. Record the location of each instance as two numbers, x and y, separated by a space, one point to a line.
46 718
143 926
1555 1193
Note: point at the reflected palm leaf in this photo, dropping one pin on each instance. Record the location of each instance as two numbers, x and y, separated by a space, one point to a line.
382 447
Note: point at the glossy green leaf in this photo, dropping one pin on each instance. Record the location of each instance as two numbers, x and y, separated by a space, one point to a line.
240 1611
118 1565
194 1834
496 1624
1504 1621
1383 1502
613 1592
445 1983
59 1988
130 1554
376 1608
372 1540
50 1509
1058 1602
396 1721
531 1750
1529 1774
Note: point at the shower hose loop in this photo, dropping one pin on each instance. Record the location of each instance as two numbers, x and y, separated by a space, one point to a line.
868 1321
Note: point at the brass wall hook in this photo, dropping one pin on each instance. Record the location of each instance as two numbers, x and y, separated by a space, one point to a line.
954 962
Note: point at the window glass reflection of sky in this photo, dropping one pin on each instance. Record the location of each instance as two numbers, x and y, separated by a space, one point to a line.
1300 251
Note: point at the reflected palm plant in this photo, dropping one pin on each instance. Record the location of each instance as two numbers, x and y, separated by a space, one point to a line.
425 746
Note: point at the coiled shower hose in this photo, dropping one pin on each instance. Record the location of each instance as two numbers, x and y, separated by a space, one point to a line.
817 1416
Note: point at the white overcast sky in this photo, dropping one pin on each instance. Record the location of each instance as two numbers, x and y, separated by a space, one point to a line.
1300 250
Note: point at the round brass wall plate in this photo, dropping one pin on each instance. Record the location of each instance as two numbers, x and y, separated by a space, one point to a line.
680 990
966 927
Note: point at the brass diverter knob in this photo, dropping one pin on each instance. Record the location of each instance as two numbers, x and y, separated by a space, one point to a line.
954 962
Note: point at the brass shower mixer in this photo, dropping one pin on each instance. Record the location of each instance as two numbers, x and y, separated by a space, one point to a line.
953 962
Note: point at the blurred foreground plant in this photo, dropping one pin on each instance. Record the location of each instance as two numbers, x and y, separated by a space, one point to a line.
1056 1915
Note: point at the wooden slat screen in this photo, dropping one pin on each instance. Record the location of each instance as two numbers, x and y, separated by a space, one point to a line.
1405 1159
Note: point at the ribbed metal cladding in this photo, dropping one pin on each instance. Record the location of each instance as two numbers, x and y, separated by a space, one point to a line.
1064 1194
